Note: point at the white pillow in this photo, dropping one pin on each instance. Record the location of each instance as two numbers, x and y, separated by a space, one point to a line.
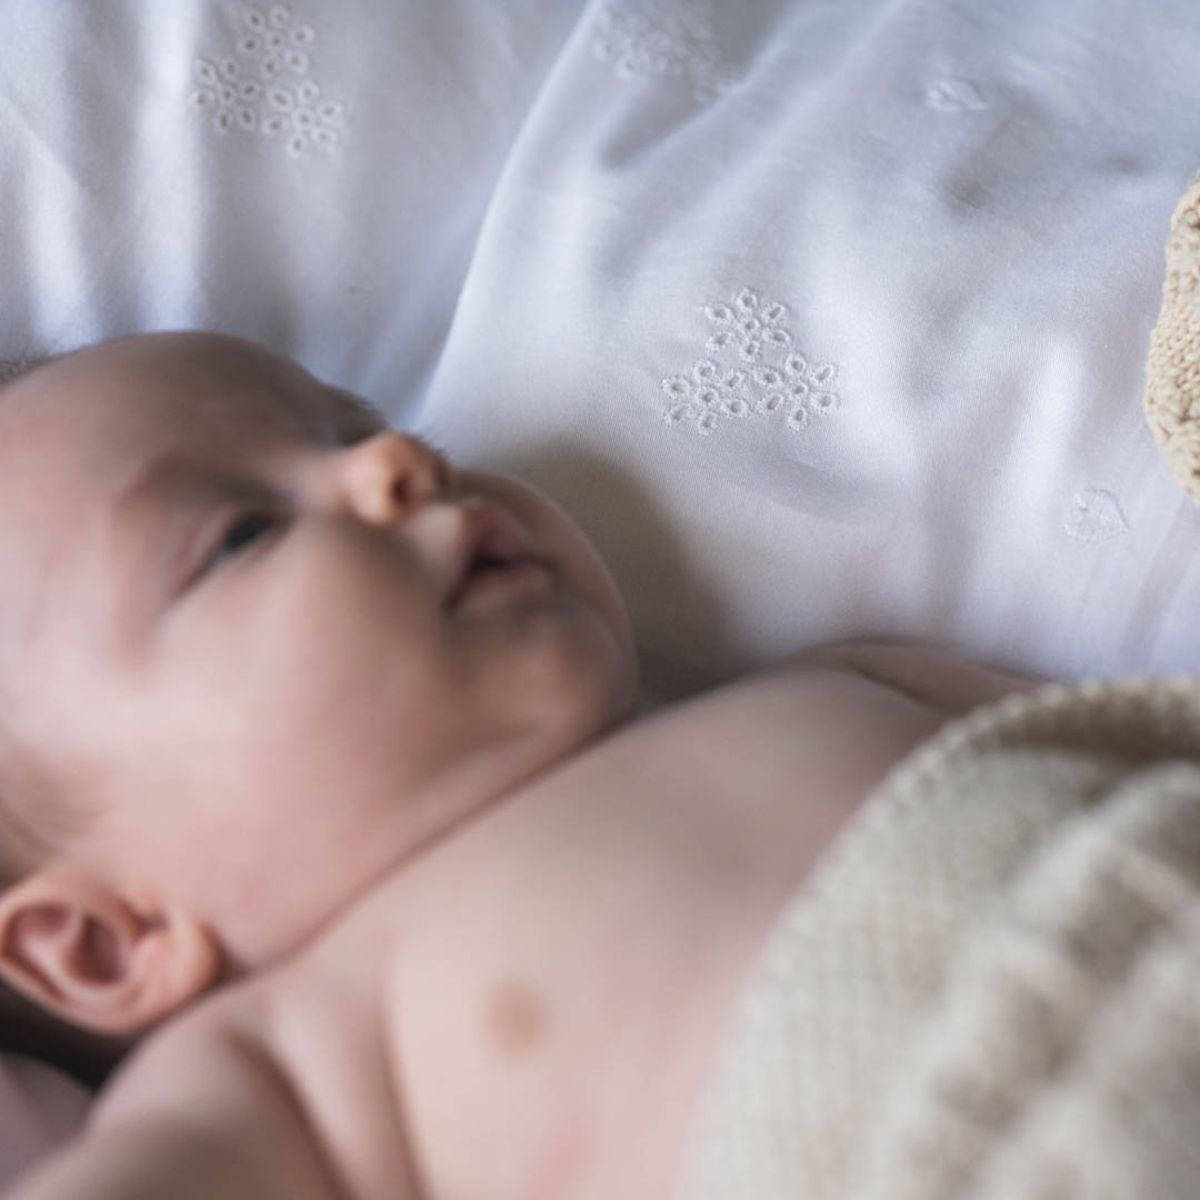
955 212
167 166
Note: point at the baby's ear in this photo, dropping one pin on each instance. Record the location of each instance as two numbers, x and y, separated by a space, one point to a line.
87 954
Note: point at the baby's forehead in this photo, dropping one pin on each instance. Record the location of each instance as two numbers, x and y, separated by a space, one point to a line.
195 385
75 432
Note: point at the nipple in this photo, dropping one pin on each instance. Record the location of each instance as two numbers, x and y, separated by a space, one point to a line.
514 1019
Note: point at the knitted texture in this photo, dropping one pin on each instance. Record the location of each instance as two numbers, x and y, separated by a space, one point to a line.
1172 397
988 987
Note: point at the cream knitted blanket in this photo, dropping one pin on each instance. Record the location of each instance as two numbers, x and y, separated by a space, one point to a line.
1172 397
990 988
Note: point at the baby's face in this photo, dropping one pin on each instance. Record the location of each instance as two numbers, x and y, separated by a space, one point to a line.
226 624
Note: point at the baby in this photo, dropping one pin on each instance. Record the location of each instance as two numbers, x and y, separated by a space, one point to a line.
332 754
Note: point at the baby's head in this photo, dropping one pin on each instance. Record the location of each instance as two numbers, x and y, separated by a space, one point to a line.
234 686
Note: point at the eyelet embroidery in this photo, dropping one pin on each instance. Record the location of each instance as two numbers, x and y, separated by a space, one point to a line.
256 89
1094 515
671 39
766 374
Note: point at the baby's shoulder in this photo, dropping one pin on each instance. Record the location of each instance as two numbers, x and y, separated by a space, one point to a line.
205 1107
846 711
264 1076
219 1046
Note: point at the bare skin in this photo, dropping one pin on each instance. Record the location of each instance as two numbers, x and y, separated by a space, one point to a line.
550 1030
525 1003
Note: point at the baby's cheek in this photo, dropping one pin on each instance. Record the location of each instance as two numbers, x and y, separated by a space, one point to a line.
309 644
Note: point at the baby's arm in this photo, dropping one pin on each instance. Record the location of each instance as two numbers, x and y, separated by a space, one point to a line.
199 1112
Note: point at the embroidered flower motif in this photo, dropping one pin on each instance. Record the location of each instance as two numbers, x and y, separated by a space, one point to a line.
668 38
747 325
711 391
257 92
773 376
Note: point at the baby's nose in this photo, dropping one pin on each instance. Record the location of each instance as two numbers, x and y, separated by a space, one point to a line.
392 475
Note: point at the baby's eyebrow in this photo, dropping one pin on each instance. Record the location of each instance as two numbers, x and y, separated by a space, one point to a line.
165 480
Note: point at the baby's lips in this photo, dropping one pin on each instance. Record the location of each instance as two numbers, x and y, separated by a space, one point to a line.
503 535
490 531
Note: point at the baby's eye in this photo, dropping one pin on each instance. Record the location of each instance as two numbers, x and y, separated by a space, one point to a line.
244 529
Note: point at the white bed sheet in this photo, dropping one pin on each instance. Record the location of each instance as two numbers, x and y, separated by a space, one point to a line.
959 208
168 165
824 318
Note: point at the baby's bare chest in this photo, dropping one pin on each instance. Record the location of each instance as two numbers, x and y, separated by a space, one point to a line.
560 1018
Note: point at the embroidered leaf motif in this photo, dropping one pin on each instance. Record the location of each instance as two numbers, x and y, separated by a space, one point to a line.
1094 515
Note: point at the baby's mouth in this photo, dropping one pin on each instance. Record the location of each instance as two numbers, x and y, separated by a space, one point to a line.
489 578
498 551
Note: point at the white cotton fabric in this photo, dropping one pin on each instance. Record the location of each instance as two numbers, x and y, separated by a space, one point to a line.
963 206
329 214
